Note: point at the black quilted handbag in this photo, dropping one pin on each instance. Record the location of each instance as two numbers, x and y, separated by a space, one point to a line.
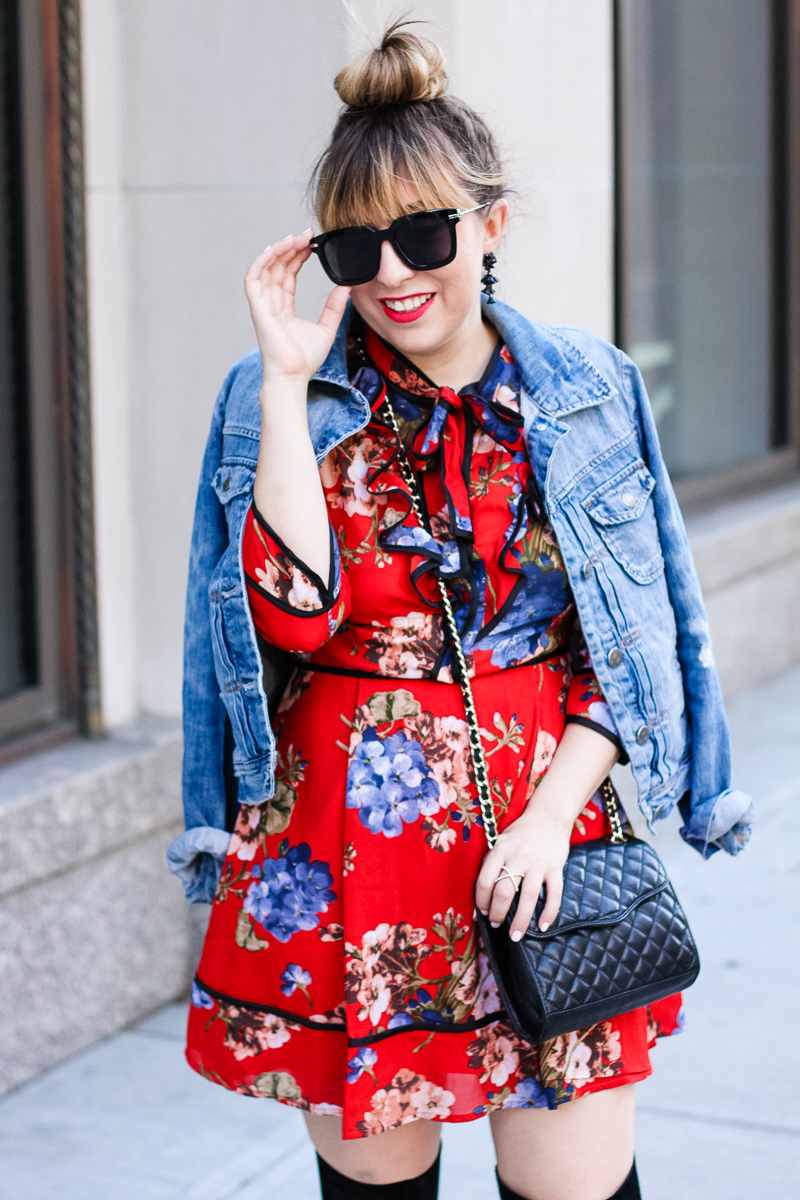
621 939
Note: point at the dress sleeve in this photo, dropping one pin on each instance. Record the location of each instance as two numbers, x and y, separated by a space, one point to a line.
291 606
586 704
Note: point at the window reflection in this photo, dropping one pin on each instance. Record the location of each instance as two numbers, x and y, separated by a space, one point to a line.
696 245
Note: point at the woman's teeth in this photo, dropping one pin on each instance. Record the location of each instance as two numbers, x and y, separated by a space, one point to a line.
408 305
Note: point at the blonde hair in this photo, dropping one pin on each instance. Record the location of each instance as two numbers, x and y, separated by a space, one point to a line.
402 140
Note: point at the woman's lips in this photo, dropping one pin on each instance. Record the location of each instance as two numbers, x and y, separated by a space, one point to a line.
404 317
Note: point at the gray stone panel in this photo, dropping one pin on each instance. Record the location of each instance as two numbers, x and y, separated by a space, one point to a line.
94 931
84 954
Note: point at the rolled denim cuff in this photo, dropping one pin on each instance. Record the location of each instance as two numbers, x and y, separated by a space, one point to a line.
724 822
196 857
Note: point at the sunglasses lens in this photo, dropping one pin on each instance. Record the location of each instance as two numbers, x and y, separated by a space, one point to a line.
352 255
426 239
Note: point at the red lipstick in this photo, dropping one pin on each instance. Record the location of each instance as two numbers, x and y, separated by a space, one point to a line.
404 317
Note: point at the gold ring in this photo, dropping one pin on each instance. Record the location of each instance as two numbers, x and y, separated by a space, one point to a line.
504 874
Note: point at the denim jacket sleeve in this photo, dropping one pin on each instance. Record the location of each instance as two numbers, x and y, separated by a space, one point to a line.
716 816
196 855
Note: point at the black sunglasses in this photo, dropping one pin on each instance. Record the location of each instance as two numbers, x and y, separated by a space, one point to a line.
424 241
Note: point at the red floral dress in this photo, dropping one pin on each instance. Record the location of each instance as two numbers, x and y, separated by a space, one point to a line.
341 971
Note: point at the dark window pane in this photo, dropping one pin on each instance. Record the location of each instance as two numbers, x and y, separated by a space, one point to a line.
696 238
17 656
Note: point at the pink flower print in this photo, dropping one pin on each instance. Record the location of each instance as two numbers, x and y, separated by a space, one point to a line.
439 837
274 1032
326 1110
494 1054
431 1102
507 397
482 443
268 576
543 753
375 996
408 1098
487 999
302 593
357 497
244 840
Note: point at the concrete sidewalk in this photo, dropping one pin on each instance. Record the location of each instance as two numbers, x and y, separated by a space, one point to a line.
719 1120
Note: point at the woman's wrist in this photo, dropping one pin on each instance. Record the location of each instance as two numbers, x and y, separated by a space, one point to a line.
280 391
553 804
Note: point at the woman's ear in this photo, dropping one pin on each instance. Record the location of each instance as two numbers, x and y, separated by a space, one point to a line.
495 225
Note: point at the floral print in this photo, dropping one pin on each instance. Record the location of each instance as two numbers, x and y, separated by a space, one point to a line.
342 971
288 892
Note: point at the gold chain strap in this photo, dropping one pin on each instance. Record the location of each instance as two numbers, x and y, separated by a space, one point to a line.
607 789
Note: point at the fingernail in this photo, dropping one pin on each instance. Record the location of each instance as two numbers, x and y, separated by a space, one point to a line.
266 248
516 935
485 912
544 926
495 924
305 231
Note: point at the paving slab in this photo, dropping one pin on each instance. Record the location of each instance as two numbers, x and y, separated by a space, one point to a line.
128 1120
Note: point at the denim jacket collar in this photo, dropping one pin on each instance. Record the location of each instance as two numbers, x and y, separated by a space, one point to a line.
556 374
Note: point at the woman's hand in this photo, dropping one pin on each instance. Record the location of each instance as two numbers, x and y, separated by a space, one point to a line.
534 847
290 347
537 844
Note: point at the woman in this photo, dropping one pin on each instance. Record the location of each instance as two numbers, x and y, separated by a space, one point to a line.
341 971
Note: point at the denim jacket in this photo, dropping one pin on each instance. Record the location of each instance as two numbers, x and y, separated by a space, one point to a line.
594 449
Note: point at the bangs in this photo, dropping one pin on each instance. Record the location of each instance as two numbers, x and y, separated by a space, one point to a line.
386 168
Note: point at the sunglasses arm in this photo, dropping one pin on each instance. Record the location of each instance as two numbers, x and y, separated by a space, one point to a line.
462 212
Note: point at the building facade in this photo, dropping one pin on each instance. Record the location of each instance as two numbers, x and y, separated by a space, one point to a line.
150 149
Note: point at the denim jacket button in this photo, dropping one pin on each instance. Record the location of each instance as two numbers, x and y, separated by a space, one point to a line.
628 500
642 735
226 484
615 657
586 569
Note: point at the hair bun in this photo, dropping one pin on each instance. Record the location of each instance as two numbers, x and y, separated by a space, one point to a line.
402 69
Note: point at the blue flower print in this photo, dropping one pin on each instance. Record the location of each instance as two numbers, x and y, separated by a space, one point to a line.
362 1061
292 892
294 978
399 1020
599 712
412 537
434 430
529 1094
388 781
201 999
542 596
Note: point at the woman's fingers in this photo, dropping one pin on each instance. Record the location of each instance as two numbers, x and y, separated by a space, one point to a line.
528 898
334 308
502 895
285 256
554 881
487 877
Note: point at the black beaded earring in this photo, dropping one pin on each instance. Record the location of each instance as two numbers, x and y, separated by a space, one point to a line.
489 280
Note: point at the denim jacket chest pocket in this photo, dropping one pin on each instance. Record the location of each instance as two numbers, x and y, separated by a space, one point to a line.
622 512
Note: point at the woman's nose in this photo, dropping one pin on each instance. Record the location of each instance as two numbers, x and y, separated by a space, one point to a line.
393 271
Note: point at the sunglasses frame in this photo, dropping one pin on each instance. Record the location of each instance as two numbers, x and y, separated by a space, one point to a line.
389 235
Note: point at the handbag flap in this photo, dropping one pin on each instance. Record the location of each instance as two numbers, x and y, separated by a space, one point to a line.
603 882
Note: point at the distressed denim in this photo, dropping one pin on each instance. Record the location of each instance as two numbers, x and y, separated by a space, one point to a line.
594 449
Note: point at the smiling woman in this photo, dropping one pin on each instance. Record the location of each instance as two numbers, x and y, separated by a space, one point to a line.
479 628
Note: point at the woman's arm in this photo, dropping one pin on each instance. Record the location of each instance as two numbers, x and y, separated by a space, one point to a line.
536 845
287 490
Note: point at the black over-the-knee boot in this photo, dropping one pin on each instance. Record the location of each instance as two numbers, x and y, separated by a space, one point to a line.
628 1191
336 1186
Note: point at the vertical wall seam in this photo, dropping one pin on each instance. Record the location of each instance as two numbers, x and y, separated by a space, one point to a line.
78 369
